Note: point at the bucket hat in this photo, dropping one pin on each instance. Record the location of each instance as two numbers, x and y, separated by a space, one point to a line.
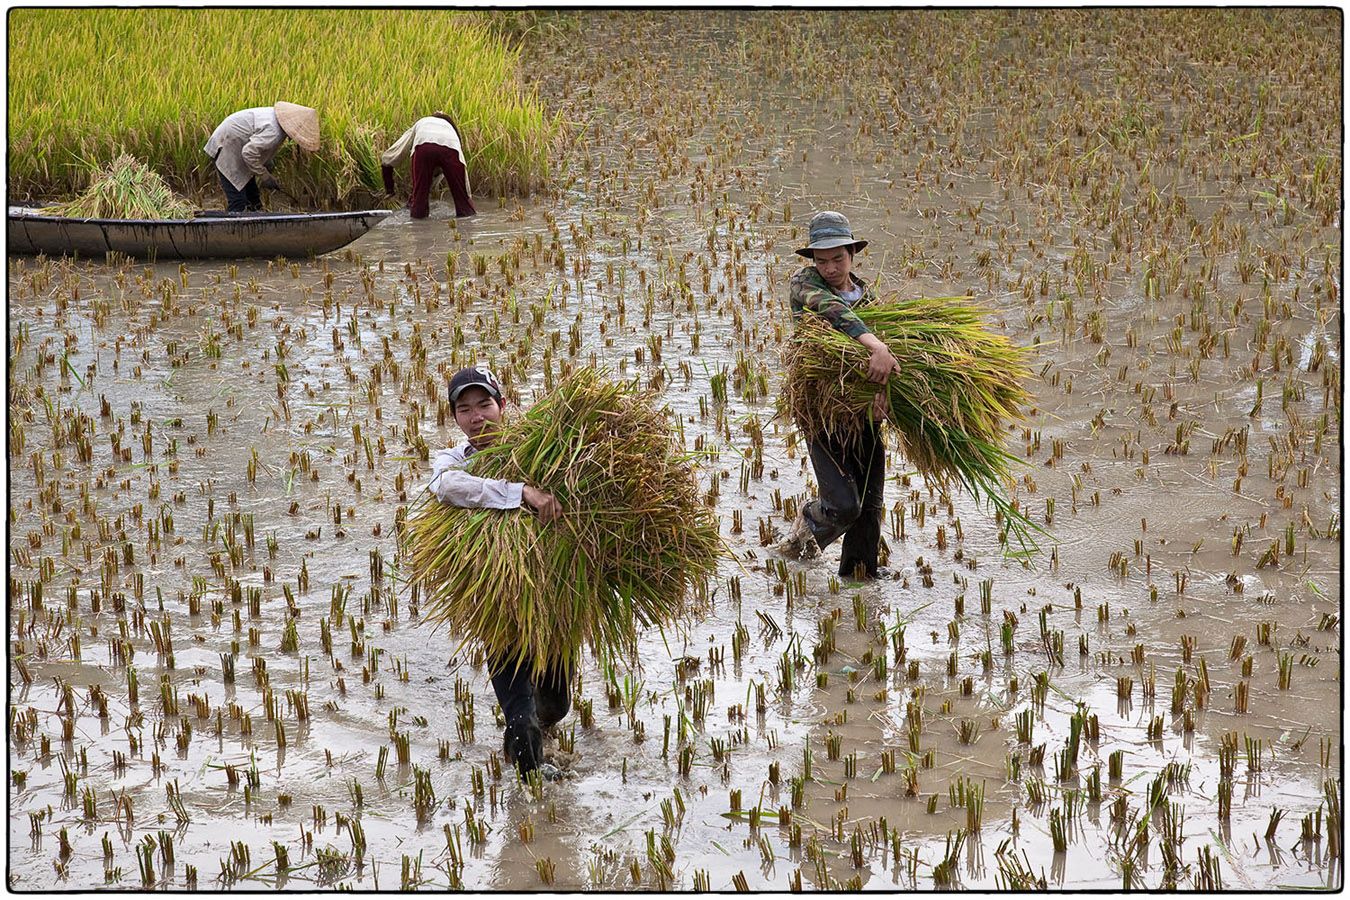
829 229
301 124
475 376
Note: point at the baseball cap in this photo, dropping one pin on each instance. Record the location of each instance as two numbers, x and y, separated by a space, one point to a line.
475 376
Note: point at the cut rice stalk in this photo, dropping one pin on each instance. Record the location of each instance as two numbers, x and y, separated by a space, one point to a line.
126 188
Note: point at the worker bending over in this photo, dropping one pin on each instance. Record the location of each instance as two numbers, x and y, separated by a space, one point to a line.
244 146
433 143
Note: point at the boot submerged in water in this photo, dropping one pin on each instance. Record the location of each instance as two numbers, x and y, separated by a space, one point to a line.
523 745
801 542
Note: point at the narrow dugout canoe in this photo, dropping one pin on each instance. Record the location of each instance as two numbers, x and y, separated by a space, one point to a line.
209 235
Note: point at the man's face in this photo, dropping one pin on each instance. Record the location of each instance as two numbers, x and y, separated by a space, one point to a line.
478 415
834 266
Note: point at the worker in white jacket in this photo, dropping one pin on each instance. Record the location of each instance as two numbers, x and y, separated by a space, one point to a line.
243 147
529 703
433 143
476 400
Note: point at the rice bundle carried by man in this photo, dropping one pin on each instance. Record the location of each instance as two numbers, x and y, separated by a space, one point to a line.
619 534
946 382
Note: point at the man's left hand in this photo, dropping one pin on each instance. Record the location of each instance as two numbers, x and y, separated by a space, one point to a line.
881 407
545 505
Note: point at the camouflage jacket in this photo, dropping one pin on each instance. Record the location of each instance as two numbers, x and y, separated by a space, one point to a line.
807 290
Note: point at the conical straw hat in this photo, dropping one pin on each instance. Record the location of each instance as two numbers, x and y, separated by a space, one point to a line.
300 123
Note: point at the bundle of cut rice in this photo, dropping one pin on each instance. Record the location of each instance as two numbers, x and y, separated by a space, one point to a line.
958 387
126 188
635 533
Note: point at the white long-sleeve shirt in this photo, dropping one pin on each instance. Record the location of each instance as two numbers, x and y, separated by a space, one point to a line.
453 485
426 130
245 143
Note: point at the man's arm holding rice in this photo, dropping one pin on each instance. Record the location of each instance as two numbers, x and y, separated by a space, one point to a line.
260 150
395 155
879 368
806 294
452 484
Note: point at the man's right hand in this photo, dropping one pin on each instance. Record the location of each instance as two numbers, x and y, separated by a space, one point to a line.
881 364
545 505
269 181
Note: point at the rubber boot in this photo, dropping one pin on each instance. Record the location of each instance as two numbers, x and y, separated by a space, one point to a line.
523 744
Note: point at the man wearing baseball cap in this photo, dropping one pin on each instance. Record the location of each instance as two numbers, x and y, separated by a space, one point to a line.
851 477
529 705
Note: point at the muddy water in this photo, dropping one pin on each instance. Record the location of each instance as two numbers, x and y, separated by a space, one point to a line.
715 172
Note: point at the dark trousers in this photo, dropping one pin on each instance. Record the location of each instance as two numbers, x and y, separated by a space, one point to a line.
547 699
247 200
427 160
852 483
529 705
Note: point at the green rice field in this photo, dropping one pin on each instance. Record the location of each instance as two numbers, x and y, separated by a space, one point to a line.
87 83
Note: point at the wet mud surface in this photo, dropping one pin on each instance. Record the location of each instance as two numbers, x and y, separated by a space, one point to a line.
208 466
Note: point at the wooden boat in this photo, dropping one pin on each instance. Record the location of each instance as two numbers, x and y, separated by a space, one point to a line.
209 235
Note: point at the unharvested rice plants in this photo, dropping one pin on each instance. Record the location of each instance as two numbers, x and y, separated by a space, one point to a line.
86 83
958 387
634 536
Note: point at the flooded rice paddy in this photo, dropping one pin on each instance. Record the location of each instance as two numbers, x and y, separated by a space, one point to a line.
218 677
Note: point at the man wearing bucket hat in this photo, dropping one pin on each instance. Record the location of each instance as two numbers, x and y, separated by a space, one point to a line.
529 705
243 147
433 143
850 477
